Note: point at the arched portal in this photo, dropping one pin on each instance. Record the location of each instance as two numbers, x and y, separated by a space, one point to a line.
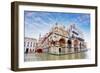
27 50
59 50
69 44
76 43
62 42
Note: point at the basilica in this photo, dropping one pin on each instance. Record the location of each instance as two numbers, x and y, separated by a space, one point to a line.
62 40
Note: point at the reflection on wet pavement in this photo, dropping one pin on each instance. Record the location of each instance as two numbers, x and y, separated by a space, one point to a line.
48 57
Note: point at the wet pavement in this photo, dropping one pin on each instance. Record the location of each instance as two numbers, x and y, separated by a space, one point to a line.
47 57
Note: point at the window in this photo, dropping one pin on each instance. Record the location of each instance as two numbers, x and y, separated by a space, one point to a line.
27 44
24 43
31 44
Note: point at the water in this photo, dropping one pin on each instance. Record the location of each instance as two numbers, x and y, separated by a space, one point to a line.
48 57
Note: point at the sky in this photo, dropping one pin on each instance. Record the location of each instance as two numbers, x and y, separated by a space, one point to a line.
37 23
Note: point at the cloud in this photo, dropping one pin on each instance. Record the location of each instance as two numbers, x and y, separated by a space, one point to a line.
40 22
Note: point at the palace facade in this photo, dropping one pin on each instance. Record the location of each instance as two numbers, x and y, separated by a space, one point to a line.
30 45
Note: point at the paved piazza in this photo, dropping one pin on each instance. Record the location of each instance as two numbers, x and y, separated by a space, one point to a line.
47 57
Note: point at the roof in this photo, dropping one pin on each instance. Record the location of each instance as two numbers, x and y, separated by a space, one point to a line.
81 39
28 38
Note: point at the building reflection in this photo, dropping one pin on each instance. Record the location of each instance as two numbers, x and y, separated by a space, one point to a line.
51 57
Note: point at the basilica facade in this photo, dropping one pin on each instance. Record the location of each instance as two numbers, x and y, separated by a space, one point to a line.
62 40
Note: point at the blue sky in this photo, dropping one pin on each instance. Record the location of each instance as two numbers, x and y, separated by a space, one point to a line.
37 23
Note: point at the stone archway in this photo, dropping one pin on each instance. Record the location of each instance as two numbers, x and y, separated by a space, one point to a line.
69 42
27 50
69 45
76 44
62 42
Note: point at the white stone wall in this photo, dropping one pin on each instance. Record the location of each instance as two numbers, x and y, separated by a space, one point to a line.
30 44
